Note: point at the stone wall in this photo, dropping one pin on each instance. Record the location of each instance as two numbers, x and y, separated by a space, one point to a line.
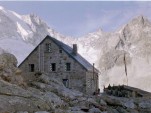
32 59
42 60
91 83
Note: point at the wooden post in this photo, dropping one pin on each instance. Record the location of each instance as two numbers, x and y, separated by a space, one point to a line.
39 58
93 71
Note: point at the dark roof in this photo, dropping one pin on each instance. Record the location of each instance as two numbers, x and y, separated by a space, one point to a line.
68 50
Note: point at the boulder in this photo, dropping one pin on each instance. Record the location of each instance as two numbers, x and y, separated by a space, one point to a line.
9 71
94 110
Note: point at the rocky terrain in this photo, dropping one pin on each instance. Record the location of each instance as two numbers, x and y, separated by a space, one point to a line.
49 95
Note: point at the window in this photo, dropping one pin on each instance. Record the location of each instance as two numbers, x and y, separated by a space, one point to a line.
68 67
31 67
65 82
48 47
53 67
60 50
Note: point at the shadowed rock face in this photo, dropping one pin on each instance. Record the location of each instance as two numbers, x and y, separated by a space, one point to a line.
134 41
114 57
9 71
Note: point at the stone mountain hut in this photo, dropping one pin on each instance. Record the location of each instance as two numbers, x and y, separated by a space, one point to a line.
59 60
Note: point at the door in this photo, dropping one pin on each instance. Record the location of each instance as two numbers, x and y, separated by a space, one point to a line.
65 82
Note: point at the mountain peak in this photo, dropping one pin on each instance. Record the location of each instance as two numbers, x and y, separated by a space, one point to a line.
33 15
33 18
140 20
99 30
136 23
140 17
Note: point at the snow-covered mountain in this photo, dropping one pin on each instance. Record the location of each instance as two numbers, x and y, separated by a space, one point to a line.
21 33
129 60
123 57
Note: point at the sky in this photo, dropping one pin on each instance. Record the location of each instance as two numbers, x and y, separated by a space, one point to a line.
78 18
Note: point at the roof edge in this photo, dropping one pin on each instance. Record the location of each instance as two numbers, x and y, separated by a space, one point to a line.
53 39
47 36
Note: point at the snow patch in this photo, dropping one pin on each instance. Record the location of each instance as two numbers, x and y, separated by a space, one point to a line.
1 8
27 19
17 15
22 31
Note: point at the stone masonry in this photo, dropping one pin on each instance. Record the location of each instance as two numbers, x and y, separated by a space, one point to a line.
52 58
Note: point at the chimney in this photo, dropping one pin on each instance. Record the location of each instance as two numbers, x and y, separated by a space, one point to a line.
74 50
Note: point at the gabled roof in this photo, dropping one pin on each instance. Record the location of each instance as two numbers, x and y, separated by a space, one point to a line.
83 62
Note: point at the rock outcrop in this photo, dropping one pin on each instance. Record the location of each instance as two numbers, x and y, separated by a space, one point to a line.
8 69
